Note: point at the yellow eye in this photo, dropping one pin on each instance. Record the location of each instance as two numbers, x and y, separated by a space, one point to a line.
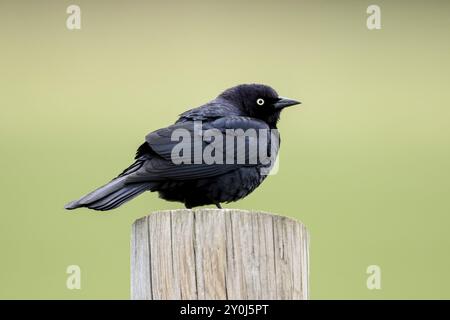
260 102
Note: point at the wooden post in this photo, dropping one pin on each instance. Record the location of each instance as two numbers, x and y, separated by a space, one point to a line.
218 254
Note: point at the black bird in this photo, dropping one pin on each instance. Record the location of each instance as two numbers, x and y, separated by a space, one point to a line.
246 106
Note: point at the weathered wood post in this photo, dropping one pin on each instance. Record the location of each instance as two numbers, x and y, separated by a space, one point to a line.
218 254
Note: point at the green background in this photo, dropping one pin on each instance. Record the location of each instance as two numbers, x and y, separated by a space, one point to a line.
365 160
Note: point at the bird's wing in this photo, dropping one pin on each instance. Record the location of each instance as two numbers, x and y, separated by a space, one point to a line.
238 122
162 143
214 109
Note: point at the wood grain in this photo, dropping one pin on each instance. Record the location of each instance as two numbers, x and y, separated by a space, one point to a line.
218 254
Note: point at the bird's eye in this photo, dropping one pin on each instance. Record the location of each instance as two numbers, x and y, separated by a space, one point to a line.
260 102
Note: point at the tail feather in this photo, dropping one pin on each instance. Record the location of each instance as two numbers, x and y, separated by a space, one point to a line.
119 197
137 190
112 194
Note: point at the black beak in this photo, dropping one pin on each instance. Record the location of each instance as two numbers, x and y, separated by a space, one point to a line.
285 102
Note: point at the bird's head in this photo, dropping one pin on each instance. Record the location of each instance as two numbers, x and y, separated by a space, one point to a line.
258 101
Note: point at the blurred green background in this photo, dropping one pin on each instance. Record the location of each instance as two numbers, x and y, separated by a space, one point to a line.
365 161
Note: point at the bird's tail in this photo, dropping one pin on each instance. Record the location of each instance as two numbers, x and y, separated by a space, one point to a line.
112 194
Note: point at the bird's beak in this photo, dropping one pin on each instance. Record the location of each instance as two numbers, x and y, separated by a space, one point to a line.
285 102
